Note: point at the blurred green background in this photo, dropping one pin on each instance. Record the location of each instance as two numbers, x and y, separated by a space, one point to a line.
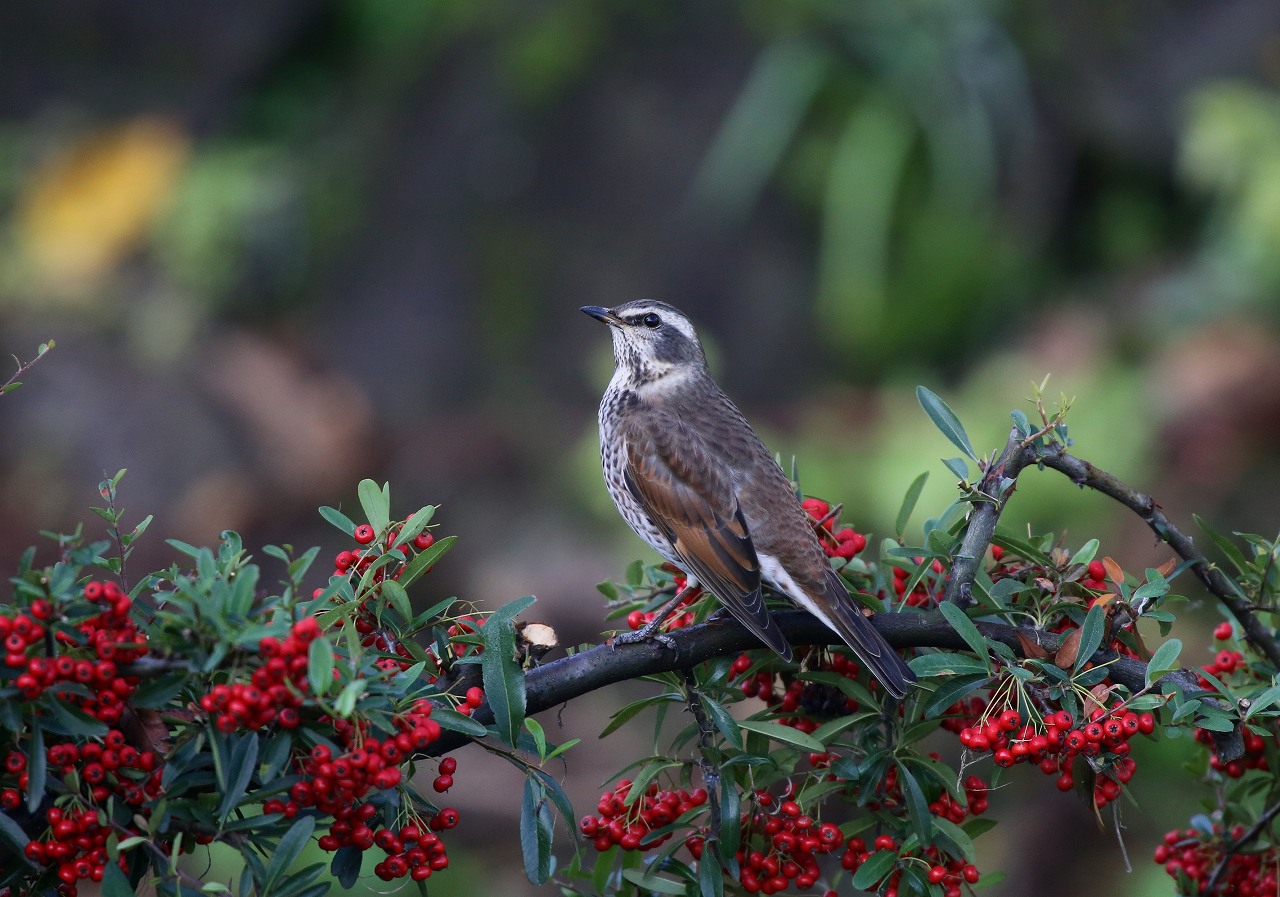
286 245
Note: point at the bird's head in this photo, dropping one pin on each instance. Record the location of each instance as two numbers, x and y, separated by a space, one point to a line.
651 340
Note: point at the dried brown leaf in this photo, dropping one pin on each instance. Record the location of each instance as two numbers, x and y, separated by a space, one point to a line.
1031 649
1065 657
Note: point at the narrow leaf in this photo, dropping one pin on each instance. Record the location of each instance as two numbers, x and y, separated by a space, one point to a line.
945 420
320 666
502 676
535 833
875 868
242 762
338 519
1091 635
964 627
291 845
909 502
783 734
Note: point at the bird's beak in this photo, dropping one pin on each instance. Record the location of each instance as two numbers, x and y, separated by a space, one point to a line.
602 314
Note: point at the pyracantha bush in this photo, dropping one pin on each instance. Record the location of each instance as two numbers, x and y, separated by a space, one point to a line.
144 718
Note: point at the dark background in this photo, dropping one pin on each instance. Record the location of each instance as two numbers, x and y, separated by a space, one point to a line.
283 246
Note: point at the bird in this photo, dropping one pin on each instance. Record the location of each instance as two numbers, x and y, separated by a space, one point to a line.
691 477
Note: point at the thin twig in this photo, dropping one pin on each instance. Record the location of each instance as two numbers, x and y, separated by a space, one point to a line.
1082 473
1228 851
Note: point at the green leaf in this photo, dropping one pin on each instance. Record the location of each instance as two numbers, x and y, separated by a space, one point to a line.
783 734
945 420
159 691
423 561
627 713
1163 660
917 805
345 866
1086 553
949 664
1225 545
724 722
320 666
115 883
338 519
345 705
539 736
710 879
909 503
960 844
647 880
397 597
288 850
877 866
503 679
964 627
67 720
1262 701
375 501
37 769
1090 636
535 832
457 722
12 834
1021 422
242 763
958 467
414 525
730 821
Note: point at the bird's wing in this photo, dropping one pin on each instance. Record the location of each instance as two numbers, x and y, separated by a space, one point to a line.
691 499
845 617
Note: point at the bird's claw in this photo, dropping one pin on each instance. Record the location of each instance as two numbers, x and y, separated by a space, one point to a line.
632 638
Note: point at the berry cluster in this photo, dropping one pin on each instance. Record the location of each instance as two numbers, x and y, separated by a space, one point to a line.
110 638
1191 857
77 844
368 556
681 615
780 846
844 542
276 690
627 825
945 871
1105 738
340 786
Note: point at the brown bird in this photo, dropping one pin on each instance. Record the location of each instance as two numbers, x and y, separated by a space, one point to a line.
691 477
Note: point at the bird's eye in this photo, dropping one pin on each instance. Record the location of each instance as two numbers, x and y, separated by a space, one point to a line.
652 321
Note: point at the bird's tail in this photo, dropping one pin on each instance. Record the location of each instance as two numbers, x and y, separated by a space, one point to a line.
857 632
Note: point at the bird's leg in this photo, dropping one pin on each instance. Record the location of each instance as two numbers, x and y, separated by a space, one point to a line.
650 629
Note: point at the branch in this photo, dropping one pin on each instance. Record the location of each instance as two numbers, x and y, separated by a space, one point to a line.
996 486
1082 473
571 677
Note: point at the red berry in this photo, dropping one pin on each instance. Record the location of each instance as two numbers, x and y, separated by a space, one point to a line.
1221 632
364 534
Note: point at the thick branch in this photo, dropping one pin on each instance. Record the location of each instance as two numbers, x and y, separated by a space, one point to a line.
997 484
571 677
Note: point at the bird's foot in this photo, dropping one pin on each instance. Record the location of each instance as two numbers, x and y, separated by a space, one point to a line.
647 634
